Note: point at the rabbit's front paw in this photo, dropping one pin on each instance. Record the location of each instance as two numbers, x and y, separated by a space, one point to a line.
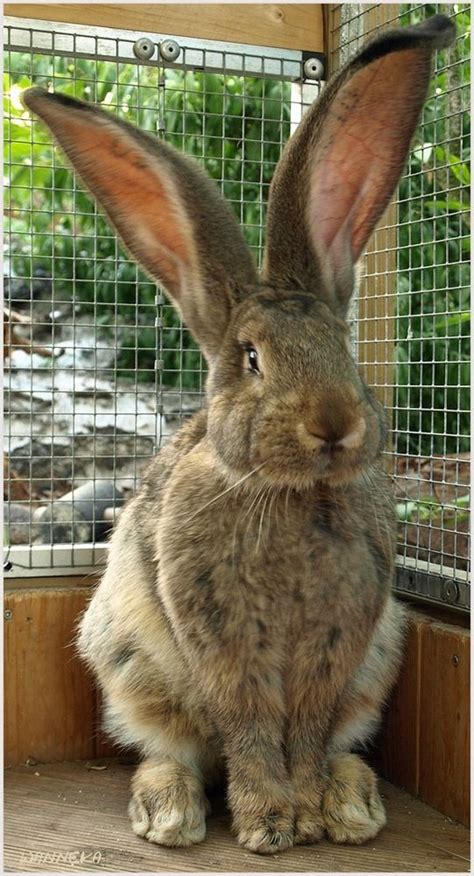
168 805
266 834
352 809
309 826
309 822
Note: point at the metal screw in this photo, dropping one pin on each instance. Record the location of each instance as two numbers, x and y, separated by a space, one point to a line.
450 591
8 614
143 49
169 50
313 69
455 660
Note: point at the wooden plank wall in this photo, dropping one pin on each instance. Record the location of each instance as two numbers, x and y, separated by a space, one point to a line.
52 709
424 742
50 702
286 25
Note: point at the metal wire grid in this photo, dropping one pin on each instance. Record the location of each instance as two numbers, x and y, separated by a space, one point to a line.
124 372
413 325
429 459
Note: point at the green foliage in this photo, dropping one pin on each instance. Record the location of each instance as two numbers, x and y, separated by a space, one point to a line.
433 347
423 510
53 224
236 128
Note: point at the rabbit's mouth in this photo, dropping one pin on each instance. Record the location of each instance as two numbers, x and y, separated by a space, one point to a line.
302 471
301 459
340 471
301 451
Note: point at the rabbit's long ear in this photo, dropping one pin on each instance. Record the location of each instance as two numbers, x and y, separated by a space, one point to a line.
170 216
340 169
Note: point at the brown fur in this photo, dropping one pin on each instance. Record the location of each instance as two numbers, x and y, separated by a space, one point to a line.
245 621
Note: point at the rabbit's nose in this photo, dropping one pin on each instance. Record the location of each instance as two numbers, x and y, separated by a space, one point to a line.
332 440
355 436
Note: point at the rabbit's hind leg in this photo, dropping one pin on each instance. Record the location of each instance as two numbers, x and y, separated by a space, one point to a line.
150 703
164 721
168 804
352 809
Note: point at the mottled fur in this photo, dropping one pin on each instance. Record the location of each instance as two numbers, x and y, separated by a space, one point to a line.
245 621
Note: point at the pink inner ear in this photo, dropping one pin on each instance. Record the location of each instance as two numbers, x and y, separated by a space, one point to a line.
363 146
143 206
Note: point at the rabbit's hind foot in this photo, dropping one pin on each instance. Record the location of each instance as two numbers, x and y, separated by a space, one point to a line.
168 804
352 809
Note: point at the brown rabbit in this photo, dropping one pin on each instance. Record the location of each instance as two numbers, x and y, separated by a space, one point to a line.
245 620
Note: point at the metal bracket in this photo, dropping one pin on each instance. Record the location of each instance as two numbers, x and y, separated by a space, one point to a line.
112 44
313 66
449 592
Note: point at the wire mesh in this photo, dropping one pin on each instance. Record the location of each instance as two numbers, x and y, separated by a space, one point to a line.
100 370
124 372
413 311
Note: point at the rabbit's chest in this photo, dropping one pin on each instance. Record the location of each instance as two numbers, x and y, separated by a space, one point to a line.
263 573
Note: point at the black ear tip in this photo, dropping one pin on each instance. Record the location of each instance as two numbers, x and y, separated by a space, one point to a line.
36 99
435 32
32 97
440 28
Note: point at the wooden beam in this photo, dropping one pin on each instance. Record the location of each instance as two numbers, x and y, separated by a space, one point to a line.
444 720
53 582
376 309
424 742
286 25
50 703
396 750
377 292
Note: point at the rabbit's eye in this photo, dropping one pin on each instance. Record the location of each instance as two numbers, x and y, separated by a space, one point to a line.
253 360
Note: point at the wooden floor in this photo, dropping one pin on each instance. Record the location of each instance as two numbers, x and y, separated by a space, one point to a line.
69 817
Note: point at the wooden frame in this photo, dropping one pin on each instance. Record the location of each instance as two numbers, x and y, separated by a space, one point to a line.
287 25
52 709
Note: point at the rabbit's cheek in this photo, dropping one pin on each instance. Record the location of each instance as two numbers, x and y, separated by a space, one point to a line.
229 430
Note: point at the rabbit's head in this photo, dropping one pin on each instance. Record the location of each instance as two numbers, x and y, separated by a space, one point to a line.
285 396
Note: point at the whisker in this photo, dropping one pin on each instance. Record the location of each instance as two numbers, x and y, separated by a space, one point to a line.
277 510
270 509
274 505
255 500
385 531
261 497
287 500
256 507
228 490
241 517
262 516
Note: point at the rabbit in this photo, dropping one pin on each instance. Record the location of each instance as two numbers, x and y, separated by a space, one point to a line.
245 625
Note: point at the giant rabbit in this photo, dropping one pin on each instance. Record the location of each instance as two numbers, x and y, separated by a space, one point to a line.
245 625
